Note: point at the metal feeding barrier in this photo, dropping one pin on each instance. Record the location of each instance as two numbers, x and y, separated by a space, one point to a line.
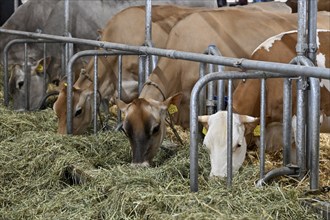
307 146
306 74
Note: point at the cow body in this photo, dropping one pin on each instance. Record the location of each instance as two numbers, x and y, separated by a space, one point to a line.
85 17
130 31
231 36
126 27
281 48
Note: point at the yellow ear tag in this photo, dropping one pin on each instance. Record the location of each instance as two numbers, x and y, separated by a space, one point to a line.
172 109
256 131
204 131
40 68
65 84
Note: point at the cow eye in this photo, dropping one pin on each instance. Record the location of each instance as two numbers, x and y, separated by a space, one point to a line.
238 145
155 130
78 112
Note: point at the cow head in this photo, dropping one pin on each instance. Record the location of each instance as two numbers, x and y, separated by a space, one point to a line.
144 125
82 110
216 140
17 84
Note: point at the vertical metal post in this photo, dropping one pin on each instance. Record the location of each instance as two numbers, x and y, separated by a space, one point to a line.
312 48
5 76
230 134
210 92
66 33
120 80
142 72
202 94
69 103
262 127
148 38
314 132
27 78
287 114
44 68
313 127
301 113
95 94
301 35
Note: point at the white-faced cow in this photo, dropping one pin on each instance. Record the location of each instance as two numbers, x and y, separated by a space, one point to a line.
85 17
215 140
234 37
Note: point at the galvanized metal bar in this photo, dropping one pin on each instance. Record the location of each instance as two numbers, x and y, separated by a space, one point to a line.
313 127
70 79
210 92
148 24
66 17
220 84
300 133
6 75
202 94
277 172
312 30
142 78
314 132
230 134
301 46
262 127
120 83
44 67
287 117
194 108
95 93
311 54
27 78
173 54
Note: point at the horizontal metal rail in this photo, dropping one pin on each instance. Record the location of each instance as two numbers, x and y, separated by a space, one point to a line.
226 61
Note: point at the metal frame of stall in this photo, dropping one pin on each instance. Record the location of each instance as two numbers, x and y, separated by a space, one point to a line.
274 70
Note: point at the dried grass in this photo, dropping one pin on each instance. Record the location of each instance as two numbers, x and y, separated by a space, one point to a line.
35 182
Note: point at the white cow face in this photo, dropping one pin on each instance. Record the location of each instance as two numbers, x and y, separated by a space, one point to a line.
216 140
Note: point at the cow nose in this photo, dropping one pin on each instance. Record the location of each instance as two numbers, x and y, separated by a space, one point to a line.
144 164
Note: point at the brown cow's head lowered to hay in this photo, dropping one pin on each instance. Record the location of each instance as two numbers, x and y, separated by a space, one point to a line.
144 125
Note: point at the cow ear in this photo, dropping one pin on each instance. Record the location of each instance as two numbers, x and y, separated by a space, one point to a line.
249 122
248 119
204 119
39 65
122 105
173 100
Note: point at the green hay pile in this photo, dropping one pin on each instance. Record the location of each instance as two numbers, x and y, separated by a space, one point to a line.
38 167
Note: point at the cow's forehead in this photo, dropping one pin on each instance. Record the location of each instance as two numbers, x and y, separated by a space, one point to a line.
140 113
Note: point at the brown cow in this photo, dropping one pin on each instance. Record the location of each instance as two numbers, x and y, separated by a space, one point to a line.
281 48
236 33
126 27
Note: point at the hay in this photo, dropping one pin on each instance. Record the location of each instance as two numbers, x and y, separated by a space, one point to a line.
36 166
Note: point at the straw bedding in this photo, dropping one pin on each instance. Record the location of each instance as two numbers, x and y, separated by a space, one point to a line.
44 175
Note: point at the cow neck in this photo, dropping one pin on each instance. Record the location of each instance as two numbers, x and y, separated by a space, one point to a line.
155 85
